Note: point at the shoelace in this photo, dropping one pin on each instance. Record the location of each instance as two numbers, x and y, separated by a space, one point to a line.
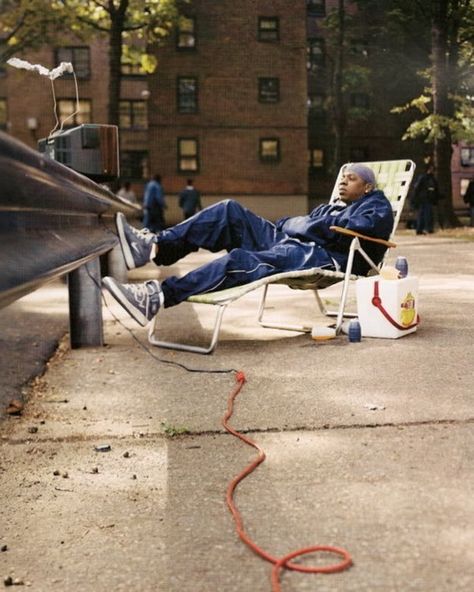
139 292
141 233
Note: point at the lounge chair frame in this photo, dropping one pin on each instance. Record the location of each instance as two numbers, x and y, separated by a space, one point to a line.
394 178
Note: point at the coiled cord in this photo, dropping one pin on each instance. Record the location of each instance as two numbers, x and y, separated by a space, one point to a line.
285 561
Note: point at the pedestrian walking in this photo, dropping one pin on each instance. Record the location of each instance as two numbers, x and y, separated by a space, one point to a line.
154 205
190 200
425 197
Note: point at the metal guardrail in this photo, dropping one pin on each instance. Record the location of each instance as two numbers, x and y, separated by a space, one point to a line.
54 221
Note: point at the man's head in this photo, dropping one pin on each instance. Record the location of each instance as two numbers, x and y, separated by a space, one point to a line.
357 180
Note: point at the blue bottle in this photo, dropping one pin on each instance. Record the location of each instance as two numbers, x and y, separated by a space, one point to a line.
402 265
354 331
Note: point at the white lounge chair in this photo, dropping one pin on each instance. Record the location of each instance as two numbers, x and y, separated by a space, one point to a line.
394 178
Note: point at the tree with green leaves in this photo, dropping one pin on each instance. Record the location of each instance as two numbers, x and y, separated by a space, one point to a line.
131 27
27 24
446 105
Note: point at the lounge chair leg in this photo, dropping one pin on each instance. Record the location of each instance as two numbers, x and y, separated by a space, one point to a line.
196 349
268 325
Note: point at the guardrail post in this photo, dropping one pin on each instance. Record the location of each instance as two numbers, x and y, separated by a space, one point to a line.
85 305
116 265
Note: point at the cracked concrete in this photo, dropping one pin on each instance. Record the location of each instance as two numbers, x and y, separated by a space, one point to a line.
393 485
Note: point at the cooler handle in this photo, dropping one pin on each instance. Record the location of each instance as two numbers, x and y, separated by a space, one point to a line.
377 302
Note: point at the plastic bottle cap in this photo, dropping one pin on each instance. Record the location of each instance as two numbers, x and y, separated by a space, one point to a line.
322 332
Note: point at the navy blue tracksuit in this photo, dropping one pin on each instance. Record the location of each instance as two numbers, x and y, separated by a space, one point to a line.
256 248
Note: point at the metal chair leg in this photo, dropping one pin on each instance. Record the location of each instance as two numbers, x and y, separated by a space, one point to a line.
196 349
269 325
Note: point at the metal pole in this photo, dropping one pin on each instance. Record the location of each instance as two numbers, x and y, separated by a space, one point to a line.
85 305
116 265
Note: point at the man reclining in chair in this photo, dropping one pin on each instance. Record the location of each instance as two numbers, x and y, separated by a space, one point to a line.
256 248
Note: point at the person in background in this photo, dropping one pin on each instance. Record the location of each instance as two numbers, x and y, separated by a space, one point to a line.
190 200
469 199
256 248
154 205
127 192
425 196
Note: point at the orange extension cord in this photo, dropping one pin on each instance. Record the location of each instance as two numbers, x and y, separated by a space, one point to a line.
283 562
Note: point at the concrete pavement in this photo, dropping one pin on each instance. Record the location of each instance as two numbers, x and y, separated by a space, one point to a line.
369 447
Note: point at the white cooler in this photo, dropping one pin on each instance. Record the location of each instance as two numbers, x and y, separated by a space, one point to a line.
387 308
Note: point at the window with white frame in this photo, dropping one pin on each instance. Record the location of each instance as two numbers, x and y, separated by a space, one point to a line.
134 164
133 114
268 90
187 94
71 112
79 57
316 158
268 28
467 156
188 155
269 150
186 33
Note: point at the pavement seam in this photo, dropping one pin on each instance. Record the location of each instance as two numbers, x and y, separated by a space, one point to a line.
316 429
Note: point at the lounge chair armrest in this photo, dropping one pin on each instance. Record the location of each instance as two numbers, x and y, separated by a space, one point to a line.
363 236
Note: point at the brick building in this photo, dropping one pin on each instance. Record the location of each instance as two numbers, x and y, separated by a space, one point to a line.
238 103
228 105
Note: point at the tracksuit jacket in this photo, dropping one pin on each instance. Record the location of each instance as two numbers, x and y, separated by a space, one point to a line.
257 248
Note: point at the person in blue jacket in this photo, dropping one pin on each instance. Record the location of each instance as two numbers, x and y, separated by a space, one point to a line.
256 248
154 205
189 200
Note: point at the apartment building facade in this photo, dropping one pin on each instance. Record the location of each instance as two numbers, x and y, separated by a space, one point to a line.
228 105
237 103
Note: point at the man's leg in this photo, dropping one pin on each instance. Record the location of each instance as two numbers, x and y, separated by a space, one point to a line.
223 226
420 220
241 267
142 301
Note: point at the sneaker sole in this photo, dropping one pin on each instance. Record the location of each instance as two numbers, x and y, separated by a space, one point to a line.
119 296
120 221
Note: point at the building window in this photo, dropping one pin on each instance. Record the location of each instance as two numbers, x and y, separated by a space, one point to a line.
316 158
360 100
268 28
315 52
187 94
359 154
186 33
128 68
467 156
268 90
70 115
188 155
134 164
133 114
3 114
316 104
316 7
79 58
269 150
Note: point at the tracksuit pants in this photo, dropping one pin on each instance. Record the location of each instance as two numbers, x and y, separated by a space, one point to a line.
255 249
